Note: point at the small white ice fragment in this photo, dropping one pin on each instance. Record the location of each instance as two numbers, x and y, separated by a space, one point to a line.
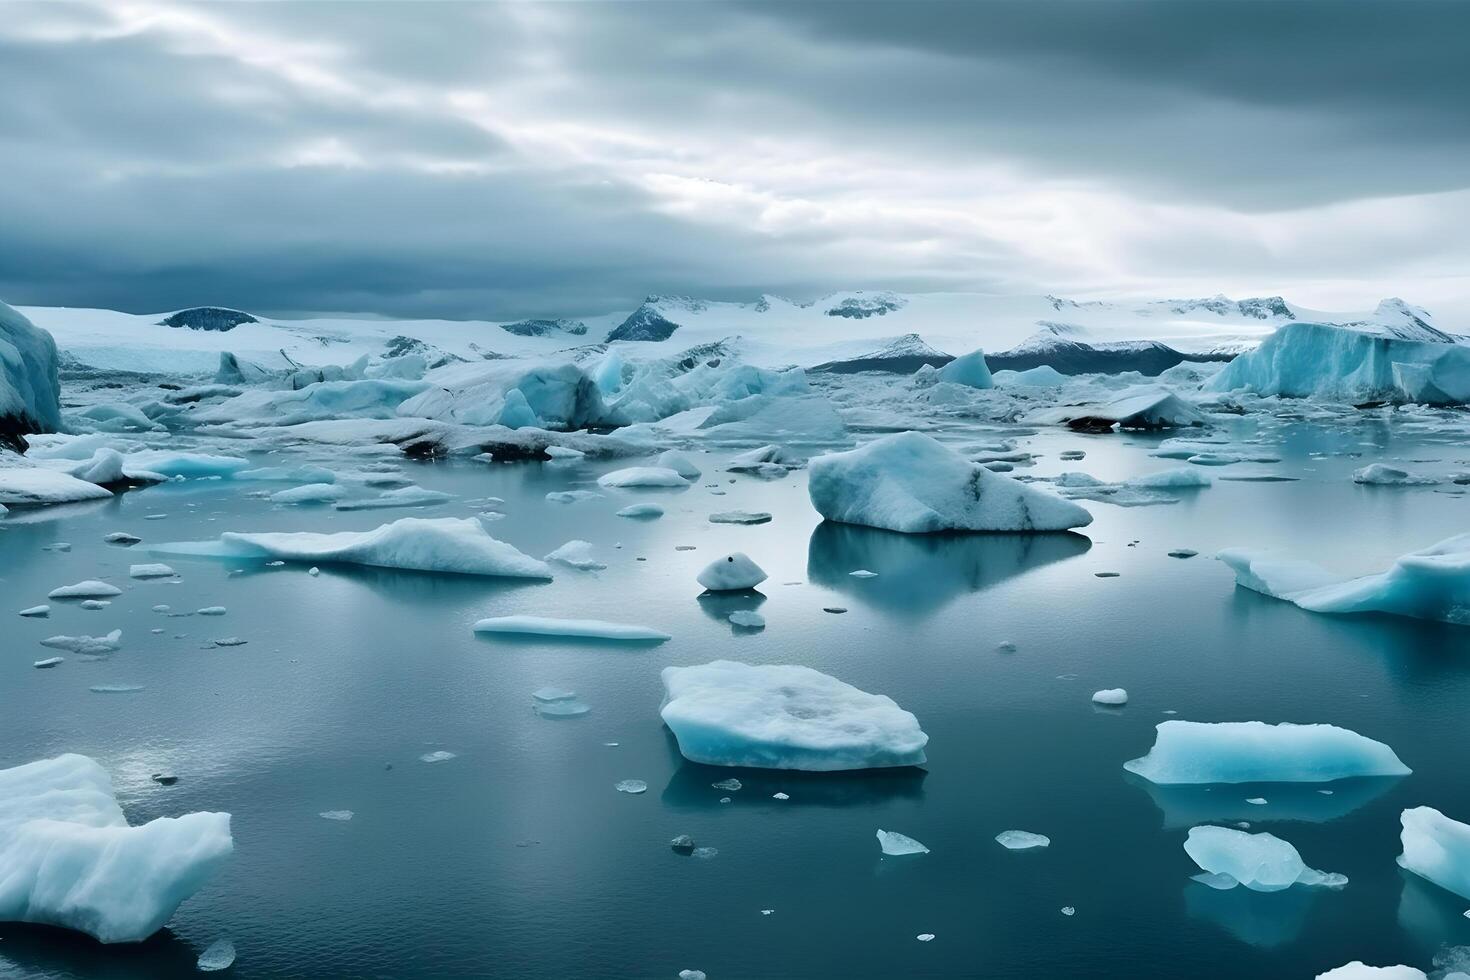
211 611
585 629
48 662
730 785
895 844
1020 840
641 510
779 796
1068 910
692 975
924 937
863 573
1111 696
150 570
90 589
336 814
36 612
219 956
115 688
440 756
634 786
96 603
549 694
1256 801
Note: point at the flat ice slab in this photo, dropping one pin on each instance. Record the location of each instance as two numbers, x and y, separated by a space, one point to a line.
909 482
777 716
1255 752
584 629
68 857
454 545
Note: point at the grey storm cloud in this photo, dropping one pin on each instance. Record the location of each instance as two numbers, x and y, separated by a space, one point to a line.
499 160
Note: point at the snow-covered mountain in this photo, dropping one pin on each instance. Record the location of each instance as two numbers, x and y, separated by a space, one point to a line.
842 327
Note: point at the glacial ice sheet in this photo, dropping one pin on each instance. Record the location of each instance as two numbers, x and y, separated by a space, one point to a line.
1437 848
1432 583
775 716
911 483
1255 752
68 857
446 544
1260 862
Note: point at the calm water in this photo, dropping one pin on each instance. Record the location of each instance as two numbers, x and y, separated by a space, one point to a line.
517 858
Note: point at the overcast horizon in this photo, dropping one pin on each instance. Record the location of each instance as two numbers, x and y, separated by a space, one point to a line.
498 161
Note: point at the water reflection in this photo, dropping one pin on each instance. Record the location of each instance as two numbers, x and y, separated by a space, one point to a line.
719 605
27 950
1428 912
920 573
691 787
1191 805
1262 919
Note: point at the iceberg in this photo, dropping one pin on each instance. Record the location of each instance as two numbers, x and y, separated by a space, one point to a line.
519 394
643 476
1255 752
969 370
911 483
776 716
1436 848
577 629
1352 363
1142 407
68 857
1260 862
30 392
733 573
23 482
1432 583
1041 376
1357 970
1381 474
453 545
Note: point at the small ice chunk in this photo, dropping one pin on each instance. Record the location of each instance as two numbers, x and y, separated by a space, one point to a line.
633 786
550 694
90 645
121 537
150 570
641 510
311 493
863 573
336 814
642 476
740 517
95 603
733 573
1111 696
571 496
1021 840
1257 801
747 619
729 785
1068 910
212 611
230 641
90 589
439 756
576 554
895 844
692 975
683 844
1260 862
925 937
115 688
561 709
588 629
780 796
563 452
48 662
681 464
1255 752
36 612
219 956
1381 474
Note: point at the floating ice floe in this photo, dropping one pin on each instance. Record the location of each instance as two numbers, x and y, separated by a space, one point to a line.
438 756
785 717
336 814
895 844
571 496
642 476
576 554
221 953
1143 407
90 589
909 482
1437 848
150 570
23 482
1255 752
447 544
402 497
1383 475
768 462
1260 862
36 612
122 538
631 786
1021 840
91 645
1112 696
641 511
584 629
1432 583
1358 970
310 493
68 857
733 573
48 662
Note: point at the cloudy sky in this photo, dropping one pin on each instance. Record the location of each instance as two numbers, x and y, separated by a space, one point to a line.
499 160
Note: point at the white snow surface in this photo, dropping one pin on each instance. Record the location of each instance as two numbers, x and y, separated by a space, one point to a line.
447 544
775 716
68 857
911 483
1255 752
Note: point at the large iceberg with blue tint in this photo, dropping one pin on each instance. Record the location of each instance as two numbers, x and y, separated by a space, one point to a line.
1356 363
1432 583
1260 862
68 857
518 394
1255 752
1437 848
446 544
776 716
969 370
30 394
909 482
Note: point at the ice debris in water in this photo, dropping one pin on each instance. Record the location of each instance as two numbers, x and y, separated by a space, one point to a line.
925 937
121 537
219 956
439 756
683 844
150 570
583 629
90 589
36 612
68 857
1255 752
733 573
95 603
1432 583
1260 862
680 463
740 517
692 975
747 619
895 844
1020 840
728 785
549 694
48 662
446 544
1111 696
311 493
775 716
402 497
1358 970
92 645
212 611
642 476
1383 475
909 482
115 688
576 554
634 786
336 814
553 702
641 510
571 496
1437 848
863 573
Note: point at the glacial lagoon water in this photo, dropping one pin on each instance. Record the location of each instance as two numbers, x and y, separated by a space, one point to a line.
516 858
